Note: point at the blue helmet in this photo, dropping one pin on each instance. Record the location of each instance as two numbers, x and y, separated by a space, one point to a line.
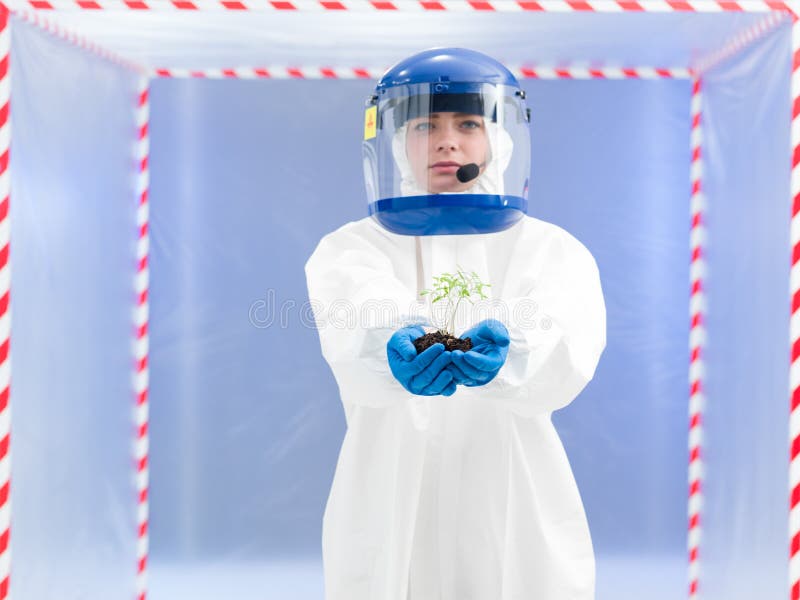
447 145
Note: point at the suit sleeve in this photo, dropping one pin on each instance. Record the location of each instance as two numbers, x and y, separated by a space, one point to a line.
557 329
358 303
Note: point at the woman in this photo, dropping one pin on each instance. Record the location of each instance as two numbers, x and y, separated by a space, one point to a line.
451 482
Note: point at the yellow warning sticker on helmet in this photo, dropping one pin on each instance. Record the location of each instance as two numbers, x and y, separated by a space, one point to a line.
370 122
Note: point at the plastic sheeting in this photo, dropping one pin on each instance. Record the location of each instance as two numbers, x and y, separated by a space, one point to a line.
610 164
245 418
72 260
248 416
201 40
747 381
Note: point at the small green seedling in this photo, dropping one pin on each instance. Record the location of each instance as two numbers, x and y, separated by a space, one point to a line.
452 288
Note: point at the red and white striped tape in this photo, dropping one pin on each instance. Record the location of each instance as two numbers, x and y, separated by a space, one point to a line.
5 307
521 72
696 340
412 5
141 342
607 72
273 72
794 328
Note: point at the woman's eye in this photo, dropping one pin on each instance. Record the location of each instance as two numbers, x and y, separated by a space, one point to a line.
422 126
470 124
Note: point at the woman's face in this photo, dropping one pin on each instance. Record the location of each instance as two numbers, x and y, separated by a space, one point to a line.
437 145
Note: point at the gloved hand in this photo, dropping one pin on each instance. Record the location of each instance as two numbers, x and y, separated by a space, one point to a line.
423 374
479 365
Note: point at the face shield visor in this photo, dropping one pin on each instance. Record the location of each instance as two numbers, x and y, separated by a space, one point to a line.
447 158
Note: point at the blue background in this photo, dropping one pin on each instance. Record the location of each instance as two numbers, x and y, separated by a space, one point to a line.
246 422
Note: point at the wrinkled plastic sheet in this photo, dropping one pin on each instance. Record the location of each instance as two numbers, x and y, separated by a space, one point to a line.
210 39
73 219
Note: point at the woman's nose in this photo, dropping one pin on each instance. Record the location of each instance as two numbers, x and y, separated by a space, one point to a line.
446 141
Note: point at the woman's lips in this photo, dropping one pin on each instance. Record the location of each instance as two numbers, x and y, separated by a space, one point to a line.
445 167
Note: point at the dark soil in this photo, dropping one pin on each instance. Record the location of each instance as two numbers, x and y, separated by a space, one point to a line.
450 342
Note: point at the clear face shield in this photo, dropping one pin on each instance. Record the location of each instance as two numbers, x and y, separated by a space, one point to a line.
445 158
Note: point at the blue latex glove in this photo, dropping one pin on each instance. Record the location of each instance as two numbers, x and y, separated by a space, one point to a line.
479 365
423 374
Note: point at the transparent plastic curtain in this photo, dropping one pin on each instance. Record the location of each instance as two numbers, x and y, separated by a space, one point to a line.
611 165
246 422
73 260
210 39
745 548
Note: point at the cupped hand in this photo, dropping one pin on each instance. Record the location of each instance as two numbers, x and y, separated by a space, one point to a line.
481 364
423 374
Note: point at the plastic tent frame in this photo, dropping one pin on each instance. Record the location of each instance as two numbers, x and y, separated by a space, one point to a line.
63 17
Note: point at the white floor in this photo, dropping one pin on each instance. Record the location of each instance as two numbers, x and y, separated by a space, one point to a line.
618 578
274 580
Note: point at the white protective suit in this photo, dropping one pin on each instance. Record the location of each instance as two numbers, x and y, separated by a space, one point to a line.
469 496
